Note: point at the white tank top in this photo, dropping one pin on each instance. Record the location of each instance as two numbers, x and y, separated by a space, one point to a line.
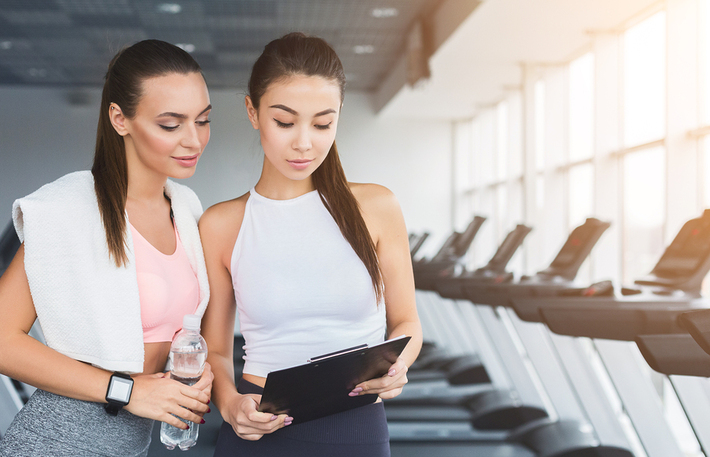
301 290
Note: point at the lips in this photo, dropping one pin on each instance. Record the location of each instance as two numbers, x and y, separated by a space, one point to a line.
300 164
188 161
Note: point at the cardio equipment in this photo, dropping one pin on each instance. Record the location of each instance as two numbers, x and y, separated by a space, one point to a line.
651 307
559 436
560 274
487 408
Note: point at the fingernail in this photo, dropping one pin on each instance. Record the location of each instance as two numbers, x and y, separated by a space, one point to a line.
209 410
391 372
202 421
274 417
357 389
353 394
287 423
288 419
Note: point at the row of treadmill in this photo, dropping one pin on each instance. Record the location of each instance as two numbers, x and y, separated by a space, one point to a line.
543 366
539 365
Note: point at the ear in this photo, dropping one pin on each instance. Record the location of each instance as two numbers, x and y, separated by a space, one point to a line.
252 112
118 120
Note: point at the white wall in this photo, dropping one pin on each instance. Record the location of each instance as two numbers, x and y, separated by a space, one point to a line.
43 136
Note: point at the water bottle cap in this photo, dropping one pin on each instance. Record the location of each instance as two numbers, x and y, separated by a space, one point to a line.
191 322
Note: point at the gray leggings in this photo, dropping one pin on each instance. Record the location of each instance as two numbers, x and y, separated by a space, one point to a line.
54 425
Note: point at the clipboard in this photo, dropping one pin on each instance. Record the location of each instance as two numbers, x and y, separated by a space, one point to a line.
320 387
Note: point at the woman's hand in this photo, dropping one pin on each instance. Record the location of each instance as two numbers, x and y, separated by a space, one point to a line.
250 424
158 397
388 386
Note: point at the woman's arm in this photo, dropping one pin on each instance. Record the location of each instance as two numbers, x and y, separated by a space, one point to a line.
386 223
219 227
27 360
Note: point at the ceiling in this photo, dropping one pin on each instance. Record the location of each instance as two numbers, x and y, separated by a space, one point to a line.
69 43
481 61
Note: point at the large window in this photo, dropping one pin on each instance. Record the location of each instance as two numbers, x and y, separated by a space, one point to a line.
644 171
644 81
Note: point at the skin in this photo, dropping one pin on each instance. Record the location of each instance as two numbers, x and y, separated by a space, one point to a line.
153 154
297 120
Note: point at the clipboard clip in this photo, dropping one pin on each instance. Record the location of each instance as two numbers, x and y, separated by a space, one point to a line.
337 353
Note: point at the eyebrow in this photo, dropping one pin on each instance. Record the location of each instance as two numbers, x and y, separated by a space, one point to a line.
292 111
182 116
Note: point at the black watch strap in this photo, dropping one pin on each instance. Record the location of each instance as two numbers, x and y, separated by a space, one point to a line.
117 398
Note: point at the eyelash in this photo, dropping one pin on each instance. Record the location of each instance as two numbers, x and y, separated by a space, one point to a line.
171 128
284 125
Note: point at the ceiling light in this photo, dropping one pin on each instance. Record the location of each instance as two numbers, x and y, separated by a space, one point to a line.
189 47
381 13
364 49
169 8
37 72
5 45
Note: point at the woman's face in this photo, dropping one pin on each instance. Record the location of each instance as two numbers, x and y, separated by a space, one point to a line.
171 127
297 120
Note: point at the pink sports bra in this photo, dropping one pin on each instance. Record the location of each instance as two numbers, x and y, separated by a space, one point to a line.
167 286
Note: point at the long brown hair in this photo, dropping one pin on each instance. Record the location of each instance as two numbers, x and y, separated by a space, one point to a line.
298 54
123 86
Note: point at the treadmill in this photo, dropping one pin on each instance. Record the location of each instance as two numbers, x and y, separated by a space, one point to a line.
559 275
494 272
416 242
569 431
651 307
450 255
435 364
491 407
647 314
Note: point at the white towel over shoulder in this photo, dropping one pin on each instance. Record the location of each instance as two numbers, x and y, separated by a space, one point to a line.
88 307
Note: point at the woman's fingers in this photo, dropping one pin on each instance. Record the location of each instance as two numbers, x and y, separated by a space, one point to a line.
388 386
252 424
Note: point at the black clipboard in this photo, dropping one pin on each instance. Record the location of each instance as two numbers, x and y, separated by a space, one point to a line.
321 386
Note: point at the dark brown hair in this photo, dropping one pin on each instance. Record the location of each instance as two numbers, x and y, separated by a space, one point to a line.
298 54
123 86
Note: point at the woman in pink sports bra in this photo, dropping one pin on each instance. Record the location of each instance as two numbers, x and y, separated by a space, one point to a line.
137 261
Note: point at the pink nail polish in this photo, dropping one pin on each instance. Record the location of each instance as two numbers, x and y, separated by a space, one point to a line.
353 394
392 372
274 417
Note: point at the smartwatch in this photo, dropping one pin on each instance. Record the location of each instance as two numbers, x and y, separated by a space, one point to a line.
118 393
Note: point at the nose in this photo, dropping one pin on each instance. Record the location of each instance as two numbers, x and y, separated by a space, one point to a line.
302 142
191 139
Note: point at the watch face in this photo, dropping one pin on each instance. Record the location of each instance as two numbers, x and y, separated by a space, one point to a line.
120 389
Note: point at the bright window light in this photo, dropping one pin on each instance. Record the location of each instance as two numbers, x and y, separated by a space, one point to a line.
539 125
645 81
705 60
502 140
581 108
581 193
644 210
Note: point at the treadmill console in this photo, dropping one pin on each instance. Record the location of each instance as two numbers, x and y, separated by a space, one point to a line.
577 247
686 261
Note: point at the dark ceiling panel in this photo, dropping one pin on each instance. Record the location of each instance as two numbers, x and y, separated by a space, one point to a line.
70 42
106 20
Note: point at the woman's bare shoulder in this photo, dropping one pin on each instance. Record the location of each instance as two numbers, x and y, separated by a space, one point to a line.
374 198
224 217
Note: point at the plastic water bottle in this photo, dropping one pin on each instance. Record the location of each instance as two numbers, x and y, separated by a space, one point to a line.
188 353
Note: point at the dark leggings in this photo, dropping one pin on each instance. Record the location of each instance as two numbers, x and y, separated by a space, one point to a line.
354 433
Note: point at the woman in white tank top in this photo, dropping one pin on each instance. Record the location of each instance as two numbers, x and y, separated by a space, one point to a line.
310 262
